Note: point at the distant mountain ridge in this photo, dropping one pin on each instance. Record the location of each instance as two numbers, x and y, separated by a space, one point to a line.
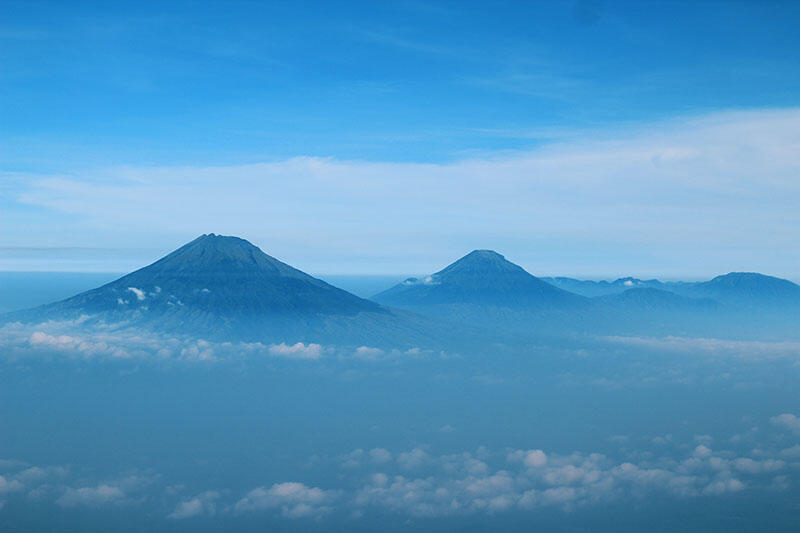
747 289
225 288
591 289
735 288
650 299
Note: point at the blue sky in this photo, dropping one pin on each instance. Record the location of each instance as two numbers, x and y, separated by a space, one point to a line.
106 108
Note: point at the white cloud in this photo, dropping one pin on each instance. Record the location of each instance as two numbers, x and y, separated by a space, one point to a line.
201 504
297 351
752 466
35 482
76 345
366 352
417 482
91 496
380 455
52 483
702 451
138 292
792 452
115 492
199 350
295 500
787 420
7 485
412 459
76 340
461 483
535 459
722 486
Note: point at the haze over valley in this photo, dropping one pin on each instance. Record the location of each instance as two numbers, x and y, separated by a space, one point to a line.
525 386
475 266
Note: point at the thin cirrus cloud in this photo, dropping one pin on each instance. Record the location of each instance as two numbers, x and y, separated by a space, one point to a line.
648 199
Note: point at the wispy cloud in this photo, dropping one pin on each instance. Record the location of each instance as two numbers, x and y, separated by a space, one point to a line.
722 186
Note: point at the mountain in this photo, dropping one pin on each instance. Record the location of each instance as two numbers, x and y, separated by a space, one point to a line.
657 312
227 288
657 300
736 305
737 289
592 289
747 289
482 277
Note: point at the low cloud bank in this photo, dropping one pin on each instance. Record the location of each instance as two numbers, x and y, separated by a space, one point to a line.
71 339
418 483
529 479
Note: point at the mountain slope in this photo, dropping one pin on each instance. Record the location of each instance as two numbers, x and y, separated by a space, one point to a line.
482 277
649 299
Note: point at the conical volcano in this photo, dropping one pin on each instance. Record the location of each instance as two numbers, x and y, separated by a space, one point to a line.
223 276
226 288
481 277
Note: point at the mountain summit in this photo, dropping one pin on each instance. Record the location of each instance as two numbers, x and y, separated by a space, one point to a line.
481 277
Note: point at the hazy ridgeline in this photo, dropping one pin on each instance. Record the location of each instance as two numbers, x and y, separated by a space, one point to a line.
480 398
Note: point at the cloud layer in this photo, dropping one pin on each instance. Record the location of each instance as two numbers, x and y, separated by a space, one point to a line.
419 483
73 339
